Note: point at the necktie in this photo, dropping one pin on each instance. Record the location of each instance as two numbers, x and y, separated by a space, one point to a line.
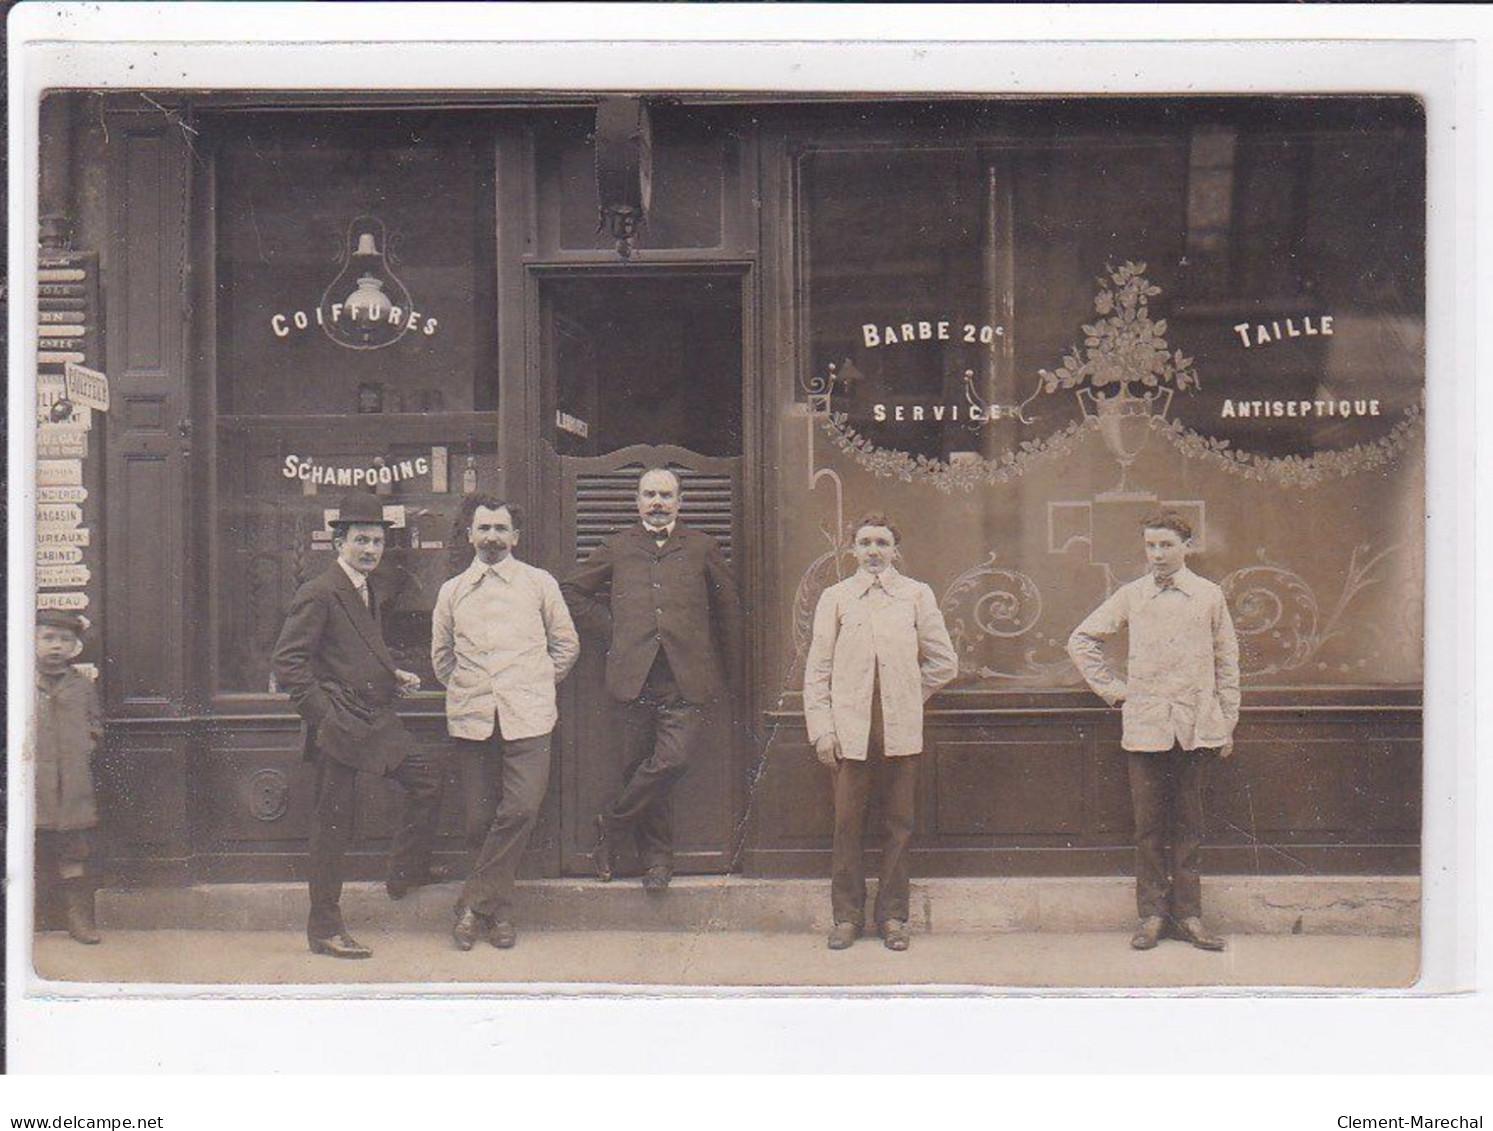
660 536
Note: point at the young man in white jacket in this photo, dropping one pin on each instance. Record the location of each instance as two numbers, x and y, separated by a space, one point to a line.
1180 703
880 649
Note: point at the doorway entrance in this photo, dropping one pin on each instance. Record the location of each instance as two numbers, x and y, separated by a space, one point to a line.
642 368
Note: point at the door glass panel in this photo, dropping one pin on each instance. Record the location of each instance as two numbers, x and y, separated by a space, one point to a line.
643 360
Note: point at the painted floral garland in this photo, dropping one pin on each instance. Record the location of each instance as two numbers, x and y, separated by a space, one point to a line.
1294 471
1284 471
888 463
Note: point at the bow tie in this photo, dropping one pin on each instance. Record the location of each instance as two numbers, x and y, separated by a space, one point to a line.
1165 583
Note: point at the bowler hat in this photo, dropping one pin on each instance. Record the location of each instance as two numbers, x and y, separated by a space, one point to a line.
76 623
360 507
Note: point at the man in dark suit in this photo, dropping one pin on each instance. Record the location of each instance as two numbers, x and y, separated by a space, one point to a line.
332 659
663 595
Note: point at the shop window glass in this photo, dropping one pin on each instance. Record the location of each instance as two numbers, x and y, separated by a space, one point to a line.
942 279
1249 274
896 268
355 348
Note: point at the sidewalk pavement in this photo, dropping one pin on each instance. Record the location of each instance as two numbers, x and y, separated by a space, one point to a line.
1295 905
426 961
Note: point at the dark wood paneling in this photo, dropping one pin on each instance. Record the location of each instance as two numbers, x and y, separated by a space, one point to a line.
145 414
1319 786
150 209
140 779
254 793
144 579
995 802
146 503
793 797
1047 793
1106 791
995 785
252 799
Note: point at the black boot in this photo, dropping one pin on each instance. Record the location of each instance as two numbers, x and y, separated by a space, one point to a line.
80 926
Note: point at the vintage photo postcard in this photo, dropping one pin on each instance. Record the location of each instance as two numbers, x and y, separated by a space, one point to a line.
576 534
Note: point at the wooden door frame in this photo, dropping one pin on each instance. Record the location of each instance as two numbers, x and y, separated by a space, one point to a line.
541 479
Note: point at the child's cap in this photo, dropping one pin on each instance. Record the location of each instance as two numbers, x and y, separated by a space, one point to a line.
61 618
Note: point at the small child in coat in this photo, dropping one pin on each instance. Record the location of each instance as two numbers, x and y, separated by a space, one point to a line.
69 724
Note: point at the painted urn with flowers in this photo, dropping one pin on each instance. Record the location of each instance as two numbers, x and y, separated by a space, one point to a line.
1125 375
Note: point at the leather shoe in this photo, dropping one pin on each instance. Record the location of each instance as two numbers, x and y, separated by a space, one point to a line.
1191 930
1148 934
601 855
894 934
656 879
340 945
841 935
400 886
504 935
470 926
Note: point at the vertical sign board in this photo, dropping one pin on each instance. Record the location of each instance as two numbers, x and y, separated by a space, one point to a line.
70 425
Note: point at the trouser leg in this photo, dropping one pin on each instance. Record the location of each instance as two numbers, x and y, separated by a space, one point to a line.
662 733
420 777
331 827
1148 797
848 880
677 730
1188 830
525 776
479 768
899 786
61 868
69 853
639 718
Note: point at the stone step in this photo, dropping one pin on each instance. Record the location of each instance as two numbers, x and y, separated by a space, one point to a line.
1352 905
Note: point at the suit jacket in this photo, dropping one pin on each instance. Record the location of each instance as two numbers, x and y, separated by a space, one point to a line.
679 598
332 659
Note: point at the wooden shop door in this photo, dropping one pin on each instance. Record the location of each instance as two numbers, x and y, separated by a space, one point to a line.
643 369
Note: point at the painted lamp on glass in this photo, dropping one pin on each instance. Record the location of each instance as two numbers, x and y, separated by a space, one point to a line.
368 303
366 307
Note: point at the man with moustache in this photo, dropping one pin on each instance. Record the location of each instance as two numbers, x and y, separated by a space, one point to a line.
501 639
1179 700
664 597
332 660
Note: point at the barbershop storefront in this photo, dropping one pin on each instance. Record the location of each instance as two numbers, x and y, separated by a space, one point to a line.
1015 325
